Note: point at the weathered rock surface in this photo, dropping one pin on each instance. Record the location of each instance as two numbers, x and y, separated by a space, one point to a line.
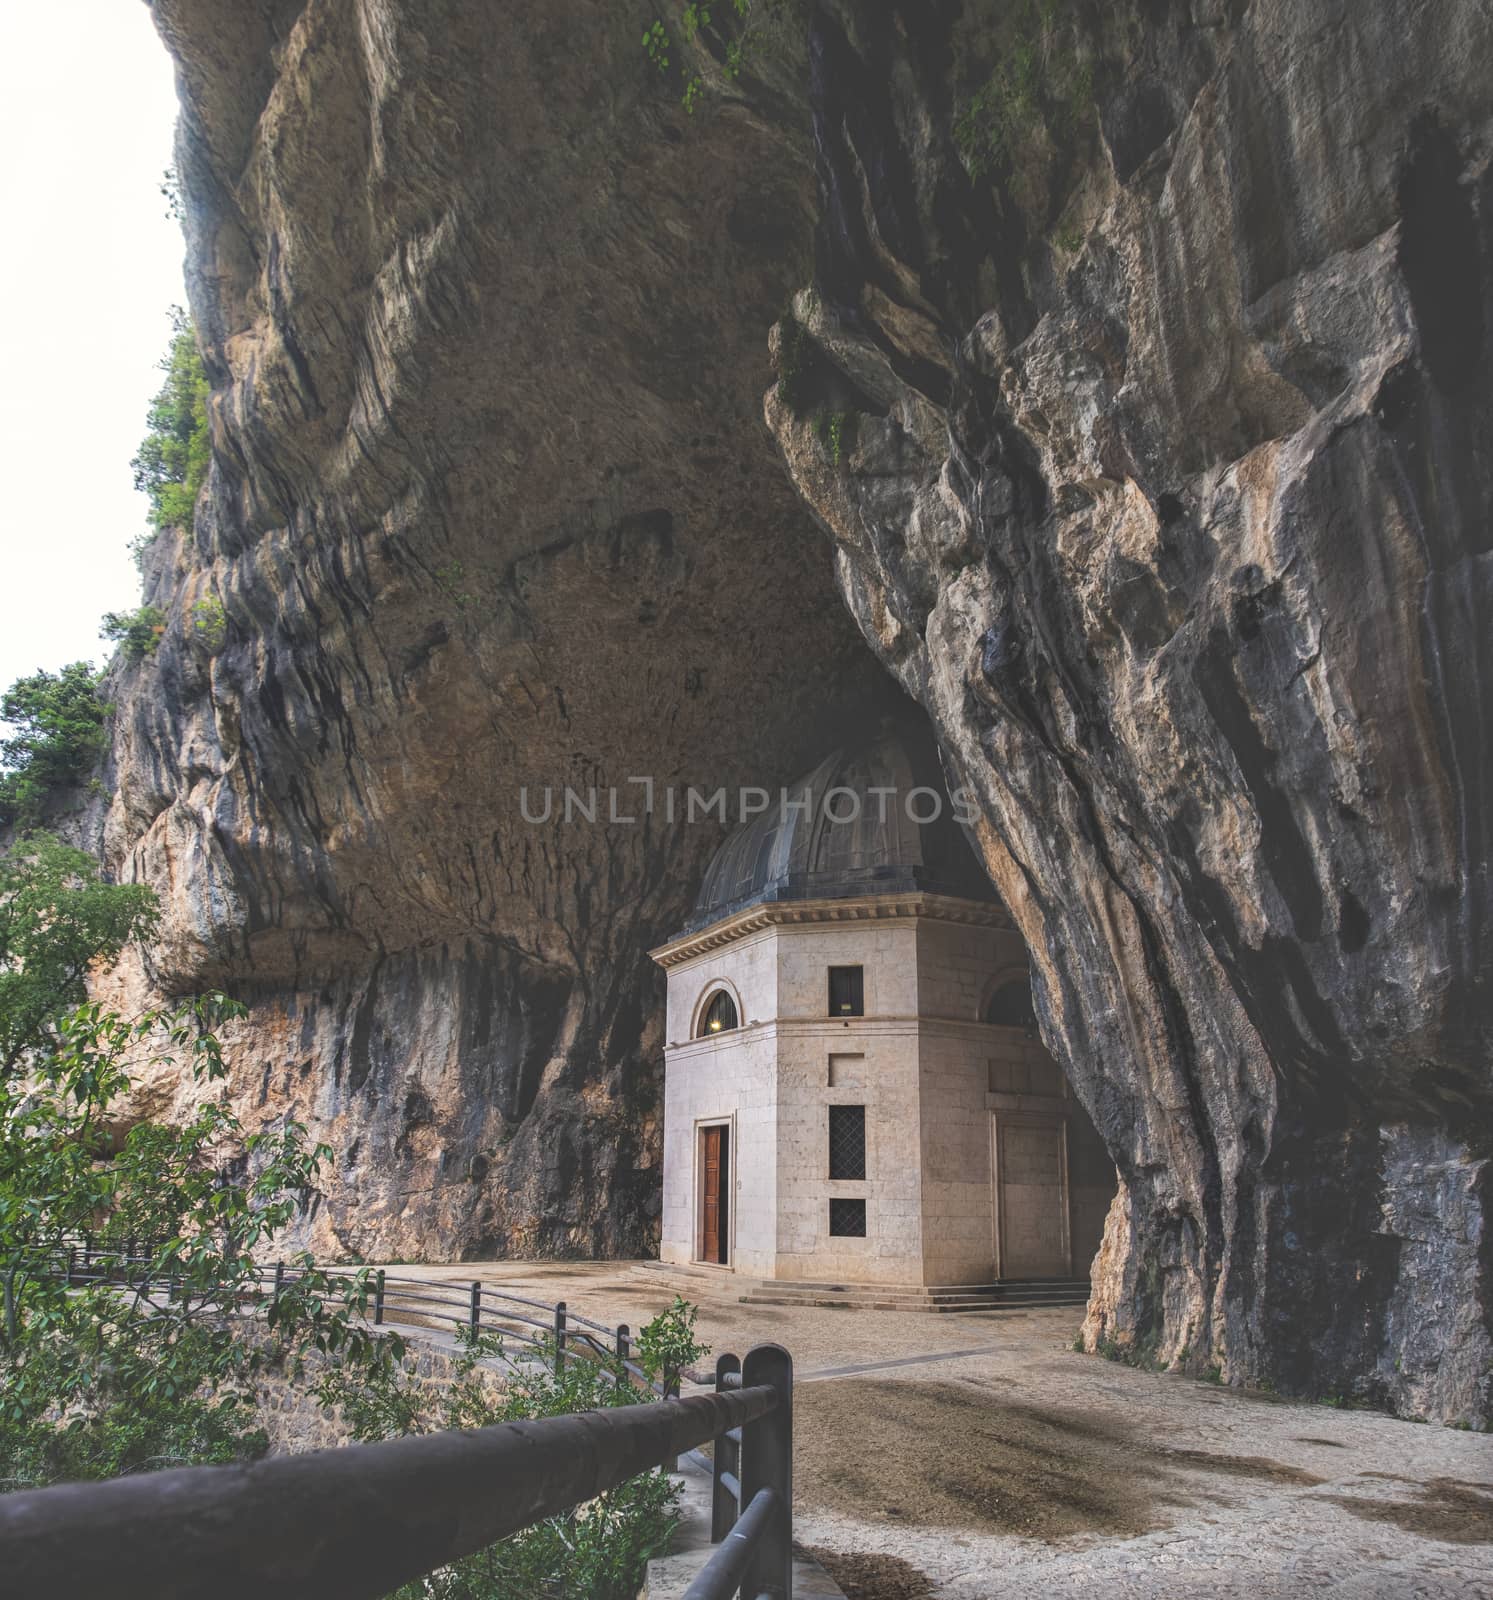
492 507
1161 482
1168 499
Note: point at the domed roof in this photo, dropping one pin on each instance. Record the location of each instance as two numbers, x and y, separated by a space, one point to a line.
872 820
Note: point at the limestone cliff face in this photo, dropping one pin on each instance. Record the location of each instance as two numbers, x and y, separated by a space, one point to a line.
1166 493
492 506
1155 463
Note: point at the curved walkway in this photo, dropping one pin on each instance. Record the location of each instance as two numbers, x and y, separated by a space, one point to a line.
990 1459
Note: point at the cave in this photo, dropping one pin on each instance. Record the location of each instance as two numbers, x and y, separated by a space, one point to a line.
566 440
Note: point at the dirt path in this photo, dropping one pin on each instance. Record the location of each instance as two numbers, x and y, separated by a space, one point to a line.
980 1458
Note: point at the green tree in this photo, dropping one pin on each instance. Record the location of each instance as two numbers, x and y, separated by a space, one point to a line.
56 922
137 632
171 464
141 1364
59 733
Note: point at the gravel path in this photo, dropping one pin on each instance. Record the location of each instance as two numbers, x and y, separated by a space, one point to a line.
988 1457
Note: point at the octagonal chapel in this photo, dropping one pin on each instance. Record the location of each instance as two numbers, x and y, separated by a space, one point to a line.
855 1093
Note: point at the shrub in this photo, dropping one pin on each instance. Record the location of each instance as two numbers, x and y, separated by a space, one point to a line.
173 458
210 624
599 1550
137 632
749 29
59 722
1041 82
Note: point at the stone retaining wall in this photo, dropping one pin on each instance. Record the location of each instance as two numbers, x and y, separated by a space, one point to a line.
288 1410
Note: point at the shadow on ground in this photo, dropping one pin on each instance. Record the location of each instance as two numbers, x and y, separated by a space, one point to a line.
1444 1508
873 1577
954 1455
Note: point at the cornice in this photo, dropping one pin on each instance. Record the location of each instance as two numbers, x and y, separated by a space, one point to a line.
798 913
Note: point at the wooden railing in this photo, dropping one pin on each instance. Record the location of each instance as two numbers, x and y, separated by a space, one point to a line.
356 1523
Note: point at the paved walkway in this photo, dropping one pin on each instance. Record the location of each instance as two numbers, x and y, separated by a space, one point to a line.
985 1454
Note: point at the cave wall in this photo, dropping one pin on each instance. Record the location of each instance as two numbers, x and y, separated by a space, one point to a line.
1166 494
1154 464
492 506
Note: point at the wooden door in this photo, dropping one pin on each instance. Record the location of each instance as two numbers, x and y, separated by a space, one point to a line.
715 1166
1032 1200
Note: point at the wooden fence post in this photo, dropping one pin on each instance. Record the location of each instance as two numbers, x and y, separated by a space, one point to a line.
559 1337
624 1341
475 1315
378 1298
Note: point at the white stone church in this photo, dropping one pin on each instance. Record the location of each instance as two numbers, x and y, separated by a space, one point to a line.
855 1093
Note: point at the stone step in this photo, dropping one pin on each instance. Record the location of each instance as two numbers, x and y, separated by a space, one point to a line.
1009 1289
1009 1294
665 1269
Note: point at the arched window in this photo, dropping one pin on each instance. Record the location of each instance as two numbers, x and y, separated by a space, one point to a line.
719 1016
1010 1006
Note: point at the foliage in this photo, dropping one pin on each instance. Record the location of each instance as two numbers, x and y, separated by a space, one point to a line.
140 545
452 579
1041 81
836 430
59 733
128 1425
751 26
57 921
599 1550
171 194
667 1346
210 624
656 43
172 461
138 632
139 1365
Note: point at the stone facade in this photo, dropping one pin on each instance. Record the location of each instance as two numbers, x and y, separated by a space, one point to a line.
979 1164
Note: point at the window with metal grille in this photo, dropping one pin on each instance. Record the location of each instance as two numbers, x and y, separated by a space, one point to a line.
847 992
847 1219
847 1141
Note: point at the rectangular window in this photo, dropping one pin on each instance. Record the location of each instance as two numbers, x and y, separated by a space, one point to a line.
847 1141
847 1219
847 992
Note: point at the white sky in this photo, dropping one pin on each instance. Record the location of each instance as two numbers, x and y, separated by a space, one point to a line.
89 264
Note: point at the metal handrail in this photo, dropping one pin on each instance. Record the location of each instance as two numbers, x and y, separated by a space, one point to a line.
724 1574
357 1522
515 1299
393 1299
392 1291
